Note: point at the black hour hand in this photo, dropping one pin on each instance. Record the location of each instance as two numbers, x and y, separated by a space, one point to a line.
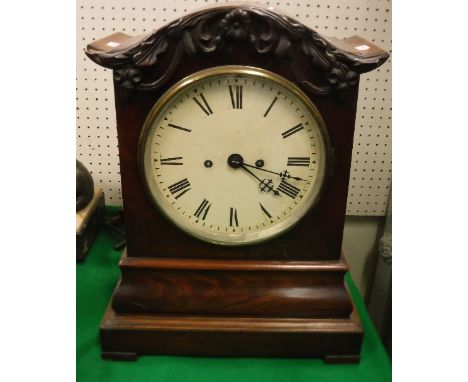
266 185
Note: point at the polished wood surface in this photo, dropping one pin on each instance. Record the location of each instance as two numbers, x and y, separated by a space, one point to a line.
128 336
232 288
239 265
284 297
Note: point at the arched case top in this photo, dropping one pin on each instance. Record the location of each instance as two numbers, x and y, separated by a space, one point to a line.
326 70
148 62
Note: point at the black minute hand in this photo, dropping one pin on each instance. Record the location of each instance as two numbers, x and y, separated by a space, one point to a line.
284 174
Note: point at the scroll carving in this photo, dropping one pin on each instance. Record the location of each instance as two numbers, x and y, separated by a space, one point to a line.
210 32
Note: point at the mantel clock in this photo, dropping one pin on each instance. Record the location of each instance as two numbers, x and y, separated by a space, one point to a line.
235 128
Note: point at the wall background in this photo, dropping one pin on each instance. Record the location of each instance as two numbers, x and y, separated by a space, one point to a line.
360 245
371 168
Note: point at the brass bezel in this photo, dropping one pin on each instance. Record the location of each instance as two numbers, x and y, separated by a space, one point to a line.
233 70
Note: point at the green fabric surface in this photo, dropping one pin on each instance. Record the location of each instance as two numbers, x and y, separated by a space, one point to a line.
95 280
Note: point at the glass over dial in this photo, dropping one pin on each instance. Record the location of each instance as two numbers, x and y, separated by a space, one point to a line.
233 155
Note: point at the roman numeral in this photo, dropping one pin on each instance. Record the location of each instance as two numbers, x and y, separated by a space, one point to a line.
288 189
205 107
265 211
292 130
179 188
179 127
203 209
269 107
233 218
299 161
172 161
236 96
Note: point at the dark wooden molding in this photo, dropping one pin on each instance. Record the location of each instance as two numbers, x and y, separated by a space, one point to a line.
232 265
232 288
226 324
261 31
125 337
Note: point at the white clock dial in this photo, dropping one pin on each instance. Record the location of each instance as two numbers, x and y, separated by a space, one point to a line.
233 155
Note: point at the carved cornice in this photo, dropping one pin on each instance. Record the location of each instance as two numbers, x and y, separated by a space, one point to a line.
211 31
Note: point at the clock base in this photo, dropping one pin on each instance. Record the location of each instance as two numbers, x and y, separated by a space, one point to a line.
127 336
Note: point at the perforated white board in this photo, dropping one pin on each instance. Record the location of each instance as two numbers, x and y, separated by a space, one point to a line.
370 19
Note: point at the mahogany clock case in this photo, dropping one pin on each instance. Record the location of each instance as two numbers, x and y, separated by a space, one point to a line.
282 297
146 67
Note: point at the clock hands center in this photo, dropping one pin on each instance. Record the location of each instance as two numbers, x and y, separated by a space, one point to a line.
236 161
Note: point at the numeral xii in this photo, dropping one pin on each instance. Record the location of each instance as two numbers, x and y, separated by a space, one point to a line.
235 92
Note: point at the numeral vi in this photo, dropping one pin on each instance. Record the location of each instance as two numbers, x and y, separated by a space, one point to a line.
233 218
